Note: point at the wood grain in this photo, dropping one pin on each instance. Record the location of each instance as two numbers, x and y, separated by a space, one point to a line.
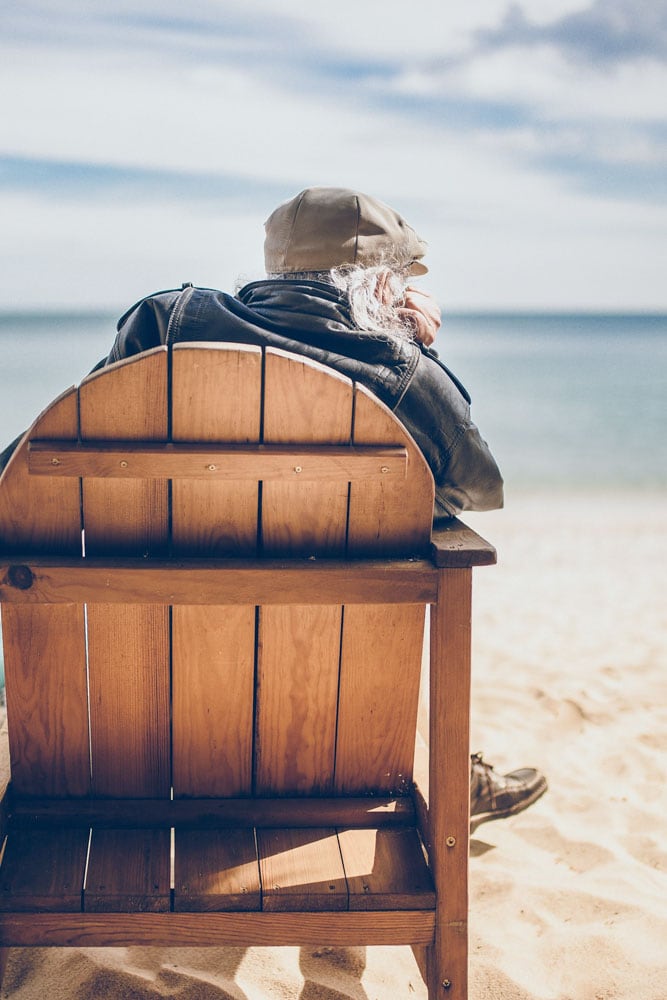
386 870
308 876
128 655
216 396
44 646
297 691
378 699
307 403
241 930
47 703
456 546
449 775
298 654
192 581
128 872
219 463
216 870
126 402
301 870
42 870
41 515
128 647
389 517
213 651
205 814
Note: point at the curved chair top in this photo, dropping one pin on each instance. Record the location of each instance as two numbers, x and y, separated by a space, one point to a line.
220 395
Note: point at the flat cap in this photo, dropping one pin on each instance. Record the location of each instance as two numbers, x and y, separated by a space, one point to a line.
325 227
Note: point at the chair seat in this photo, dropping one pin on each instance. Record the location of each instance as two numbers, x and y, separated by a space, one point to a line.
158 870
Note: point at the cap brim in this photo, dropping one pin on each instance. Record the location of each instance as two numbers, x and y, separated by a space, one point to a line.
418 268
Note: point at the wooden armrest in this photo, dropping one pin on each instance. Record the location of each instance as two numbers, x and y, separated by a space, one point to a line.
456 546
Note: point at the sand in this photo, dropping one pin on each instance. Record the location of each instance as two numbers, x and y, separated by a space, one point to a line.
569 899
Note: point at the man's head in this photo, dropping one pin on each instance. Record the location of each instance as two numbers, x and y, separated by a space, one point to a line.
323 228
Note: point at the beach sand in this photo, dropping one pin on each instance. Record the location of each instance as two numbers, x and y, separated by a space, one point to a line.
569 899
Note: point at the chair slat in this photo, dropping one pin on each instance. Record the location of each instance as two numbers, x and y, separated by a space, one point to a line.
208 814
385 517
128 646
127 402
213 653
297 694
301 870
379 692
42 514
47 704
240 930
298 652
218 463
43 870
306 403
215 395
128 655
216 870
382 645
386 870
230 581
128 872
44 646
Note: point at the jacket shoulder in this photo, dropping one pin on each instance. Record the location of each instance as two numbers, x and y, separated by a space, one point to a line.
165 299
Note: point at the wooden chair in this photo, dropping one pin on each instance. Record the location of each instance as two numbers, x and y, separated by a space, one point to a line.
214 568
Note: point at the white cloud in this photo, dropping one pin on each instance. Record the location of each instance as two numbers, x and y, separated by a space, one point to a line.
363 97
543 80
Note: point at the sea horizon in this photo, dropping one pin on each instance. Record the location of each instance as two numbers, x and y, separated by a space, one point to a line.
566 399
7 312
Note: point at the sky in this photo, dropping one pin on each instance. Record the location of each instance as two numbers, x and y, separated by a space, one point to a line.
143 144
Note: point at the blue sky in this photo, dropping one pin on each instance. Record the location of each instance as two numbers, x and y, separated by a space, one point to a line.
143 144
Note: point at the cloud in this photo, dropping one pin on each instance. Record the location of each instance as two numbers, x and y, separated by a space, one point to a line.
185 125
83 181
578 96
606 32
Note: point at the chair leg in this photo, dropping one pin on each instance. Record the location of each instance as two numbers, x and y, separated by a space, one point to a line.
420 952
449 783
448 964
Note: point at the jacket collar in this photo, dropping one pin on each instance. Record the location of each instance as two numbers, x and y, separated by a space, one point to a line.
297 303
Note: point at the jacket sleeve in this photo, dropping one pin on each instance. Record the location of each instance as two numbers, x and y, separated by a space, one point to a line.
436 411
471 480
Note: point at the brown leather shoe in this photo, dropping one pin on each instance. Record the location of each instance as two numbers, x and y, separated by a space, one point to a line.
494 795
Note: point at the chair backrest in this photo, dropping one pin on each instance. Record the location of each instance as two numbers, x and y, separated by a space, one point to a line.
145 700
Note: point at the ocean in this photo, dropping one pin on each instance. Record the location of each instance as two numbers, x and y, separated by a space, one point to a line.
565 401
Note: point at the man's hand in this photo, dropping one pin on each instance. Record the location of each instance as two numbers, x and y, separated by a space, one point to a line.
422 313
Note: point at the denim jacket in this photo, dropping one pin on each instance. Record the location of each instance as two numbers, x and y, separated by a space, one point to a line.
312 318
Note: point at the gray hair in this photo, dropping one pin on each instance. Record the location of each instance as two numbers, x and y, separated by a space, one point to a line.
359 284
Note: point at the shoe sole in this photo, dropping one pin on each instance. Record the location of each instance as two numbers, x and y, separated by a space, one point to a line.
518 807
